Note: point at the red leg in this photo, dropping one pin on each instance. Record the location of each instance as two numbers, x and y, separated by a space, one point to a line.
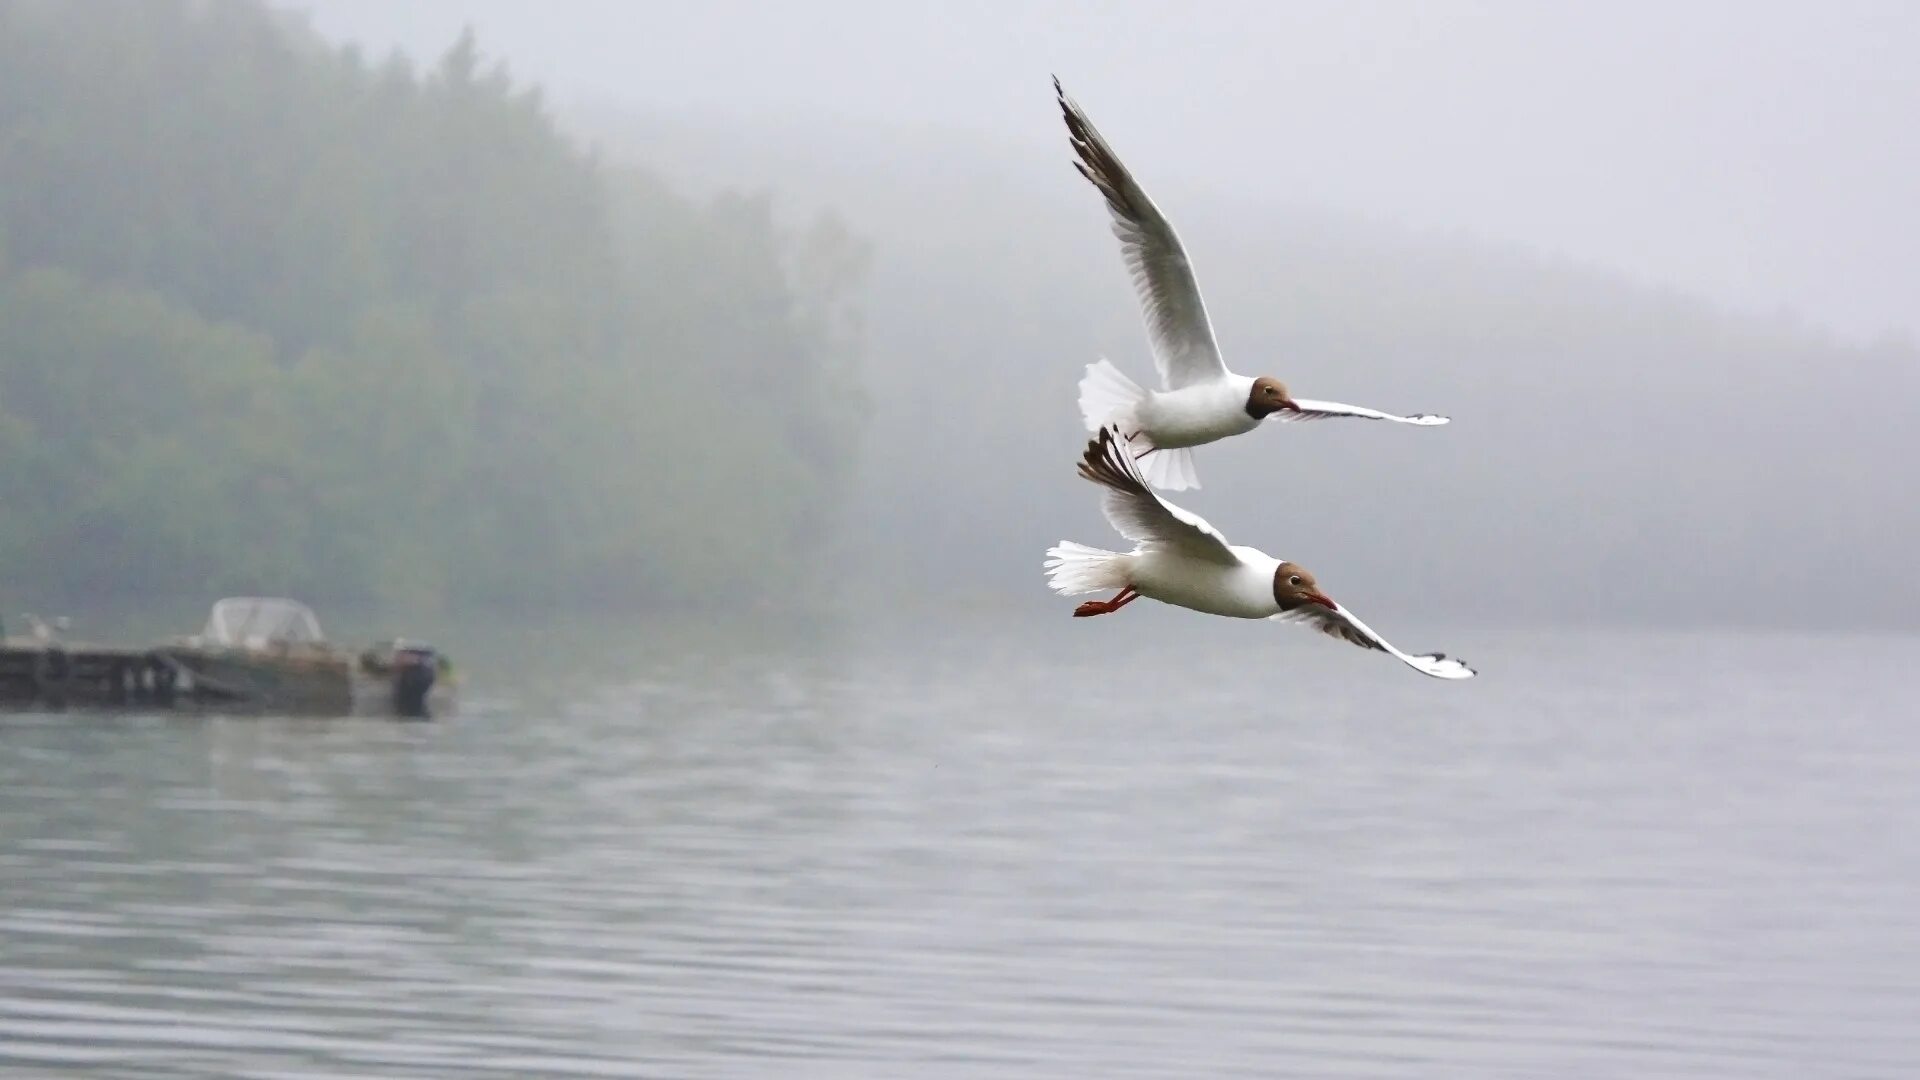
1106 607
1142 453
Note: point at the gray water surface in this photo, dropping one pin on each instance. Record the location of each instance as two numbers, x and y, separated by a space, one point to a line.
1158 847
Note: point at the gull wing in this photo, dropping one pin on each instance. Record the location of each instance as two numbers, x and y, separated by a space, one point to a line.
1177 323
1343 624
1323 410
1140 515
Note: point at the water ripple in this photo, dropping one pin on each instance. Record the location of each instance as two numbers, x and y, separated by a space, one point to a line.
973 857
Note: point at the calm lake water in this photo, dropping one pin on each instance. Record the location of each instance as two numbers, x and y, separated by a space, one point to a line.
1145 846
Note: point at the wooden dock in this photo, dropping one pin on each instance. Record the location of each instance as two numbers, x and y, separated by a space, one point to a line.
56 674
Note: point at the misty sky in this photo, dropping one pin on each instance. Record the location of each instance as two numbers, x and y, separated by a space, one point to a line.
1761 155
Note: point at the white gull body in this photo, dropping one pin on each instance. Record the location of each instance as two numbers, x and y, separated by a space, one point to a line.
1200 400
1180 559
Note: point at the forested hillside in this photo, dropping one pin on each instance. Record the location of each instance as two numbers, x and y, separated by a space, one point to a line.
277 317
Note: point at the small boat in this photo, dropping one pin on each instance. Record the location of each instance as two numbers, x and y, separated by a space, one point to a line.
269 654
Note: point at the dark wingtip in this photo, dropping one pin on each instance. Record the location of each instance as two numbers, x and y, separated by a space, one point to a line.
1102 464
1440 656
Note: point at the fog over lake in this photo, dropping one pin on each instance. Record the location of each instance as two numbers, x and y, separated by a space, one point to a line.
702 380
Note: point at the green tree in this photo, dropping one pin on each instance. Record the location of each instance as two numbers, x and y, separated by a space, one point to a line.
275 318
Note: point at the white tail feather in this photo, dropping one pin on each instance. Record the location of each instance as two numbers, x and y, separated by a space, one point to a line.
1108 397
1169 470
1076 568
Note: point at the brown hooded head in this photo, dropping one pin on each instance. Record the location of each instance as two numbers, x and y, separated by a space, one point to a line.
1269 396
1294 587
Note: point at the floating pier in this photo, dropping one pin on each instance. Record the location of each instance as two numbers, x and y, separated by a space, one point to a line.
256 654
58 674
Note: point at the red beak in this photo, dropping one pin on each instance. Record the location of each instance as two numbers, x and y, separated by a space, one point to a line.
1291 404
1324 602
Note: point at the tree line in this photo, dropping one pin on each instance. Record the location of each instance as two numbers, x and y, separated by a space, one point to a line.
275 317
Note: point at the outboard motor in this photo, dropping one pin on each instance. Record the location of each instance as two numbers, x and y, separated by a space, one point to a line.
415 667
